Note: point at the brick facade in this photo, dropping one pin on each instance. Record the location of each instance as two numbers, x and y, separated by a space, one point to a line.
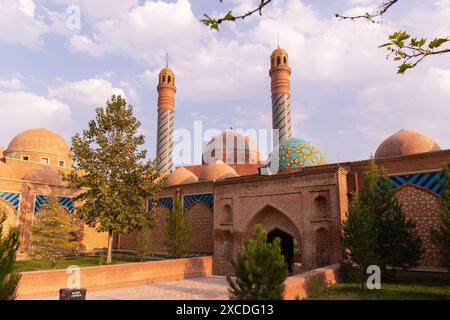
422 206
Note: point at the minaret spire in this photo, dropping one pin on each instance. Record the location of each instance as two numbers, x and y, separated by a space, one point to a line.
166 109
280 73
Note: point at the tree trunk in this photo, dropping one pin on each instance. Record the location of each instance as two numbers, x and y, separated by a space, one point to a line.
109 252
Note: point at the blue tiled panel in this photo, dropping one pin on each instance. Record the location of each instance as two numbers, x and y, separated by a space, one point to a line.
12 198
432 181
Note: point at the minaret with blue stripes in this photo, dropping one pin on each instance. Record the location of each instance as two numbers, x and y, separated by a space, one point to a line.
166 123
280 73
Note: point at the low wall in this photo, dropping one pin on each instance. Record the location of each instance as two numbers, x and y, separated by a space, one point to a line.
297 286
48 282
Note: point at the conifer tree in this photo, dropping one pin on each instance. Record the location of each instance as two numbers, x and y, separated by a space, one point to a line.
9 244
261 271
52 233
177 233
144 245
110 166
359 240
389 238
441 236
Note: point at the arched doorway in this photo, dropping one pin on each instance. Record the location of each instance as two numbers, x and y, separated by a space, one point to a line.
287 245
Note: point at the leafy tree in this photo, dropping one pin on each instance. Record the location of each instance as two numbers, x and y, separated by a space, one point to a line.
390 238
261 271
177 233
9 244
359 241
112 170
408 53
144 245
441 236
52 233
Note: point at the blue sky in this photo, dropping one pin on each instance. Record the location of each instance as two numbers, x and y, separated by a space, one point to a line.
346 96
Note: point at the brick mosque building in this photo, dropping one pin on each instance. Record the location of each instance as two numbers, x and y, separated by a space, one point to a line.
304 202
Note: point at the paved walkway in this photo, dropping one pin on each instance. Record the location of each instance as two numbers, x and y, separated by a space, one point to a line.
211 288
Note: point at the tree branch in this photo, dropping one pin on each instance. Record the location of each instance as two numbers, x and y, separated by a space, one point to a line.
380 10
214 23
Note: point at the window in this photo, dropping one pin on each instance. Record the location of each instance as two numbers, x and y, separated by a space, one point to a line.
26 158
169 79
284 60
278 61
272 62
164 79
62 163
44 160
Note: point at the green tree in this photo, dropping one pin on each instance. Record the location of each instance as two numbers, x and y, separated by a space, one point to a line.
52 233
111 168
359 240
441 236
144 245
397 243
9 244
261 271
176 232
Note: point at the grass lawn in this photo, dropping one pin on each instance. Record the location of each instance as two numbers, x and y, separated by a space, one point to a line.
421 288
82 261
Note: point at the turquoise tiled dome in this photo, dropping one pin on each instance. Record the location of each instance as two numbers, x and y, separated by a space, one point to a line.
297 153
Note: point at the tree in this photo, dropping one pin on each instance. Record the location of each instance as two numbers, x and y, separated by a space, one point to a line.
441 236
9 244
176 232
409 53
52 233
386 237
112 170
359 240
144 245
261 271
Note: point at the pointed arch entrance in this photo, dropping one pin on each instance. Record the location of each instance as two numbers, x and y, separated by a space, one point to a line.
278 224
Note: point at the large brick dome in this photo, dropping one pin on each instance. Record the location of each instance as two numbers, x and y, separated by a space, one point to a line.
231 147
406 142
37 143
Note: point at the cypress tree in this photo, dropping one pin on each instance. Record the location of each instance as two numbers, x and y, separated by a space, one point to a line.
177 233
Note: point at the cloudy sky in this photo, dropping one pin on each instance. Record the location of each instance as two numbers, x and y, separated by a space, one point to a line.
346 96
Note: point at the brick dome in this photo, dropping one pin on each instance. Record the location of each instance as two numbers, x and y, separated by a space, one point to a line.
243 149
181 176
39 142
45 175
216 171
5 171
405 142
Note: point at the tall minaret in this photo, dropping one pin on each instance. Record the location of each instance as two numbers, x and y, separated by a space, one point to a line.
281 93
166 109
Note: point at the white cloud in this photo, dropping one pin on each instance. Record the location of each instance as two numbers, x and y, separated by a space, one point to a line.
20 25
24 110
89 92
11 84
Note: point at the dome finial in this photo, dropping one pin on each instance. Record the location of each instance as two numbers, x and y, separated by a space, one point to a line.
278 40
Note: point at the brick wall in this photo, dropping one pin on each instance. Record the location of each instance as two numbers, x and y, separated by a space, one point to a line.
200 221
47 283
423 207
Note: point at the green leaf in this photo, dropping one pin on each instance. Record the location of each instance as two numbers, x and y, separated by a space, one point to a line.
437 42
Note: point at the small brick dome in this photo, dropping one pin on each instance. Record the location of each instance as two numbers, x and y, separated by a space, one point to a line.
216 171
181 176
44 174
406 142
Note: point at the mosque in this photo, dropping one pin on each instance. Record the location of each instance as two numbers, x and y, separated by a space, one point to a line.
304 203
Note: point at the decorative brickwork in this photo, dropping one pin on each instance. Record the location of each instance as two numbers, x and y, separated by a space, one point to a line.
93 240
422 206
200 221
157 232
10 221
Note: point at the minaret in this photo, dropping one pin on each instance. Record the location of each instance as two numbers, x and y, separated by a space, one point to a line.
166 109
281 93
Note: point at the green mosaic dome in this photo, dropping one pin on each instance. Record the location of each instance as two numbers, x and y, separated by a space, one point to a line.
297 153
